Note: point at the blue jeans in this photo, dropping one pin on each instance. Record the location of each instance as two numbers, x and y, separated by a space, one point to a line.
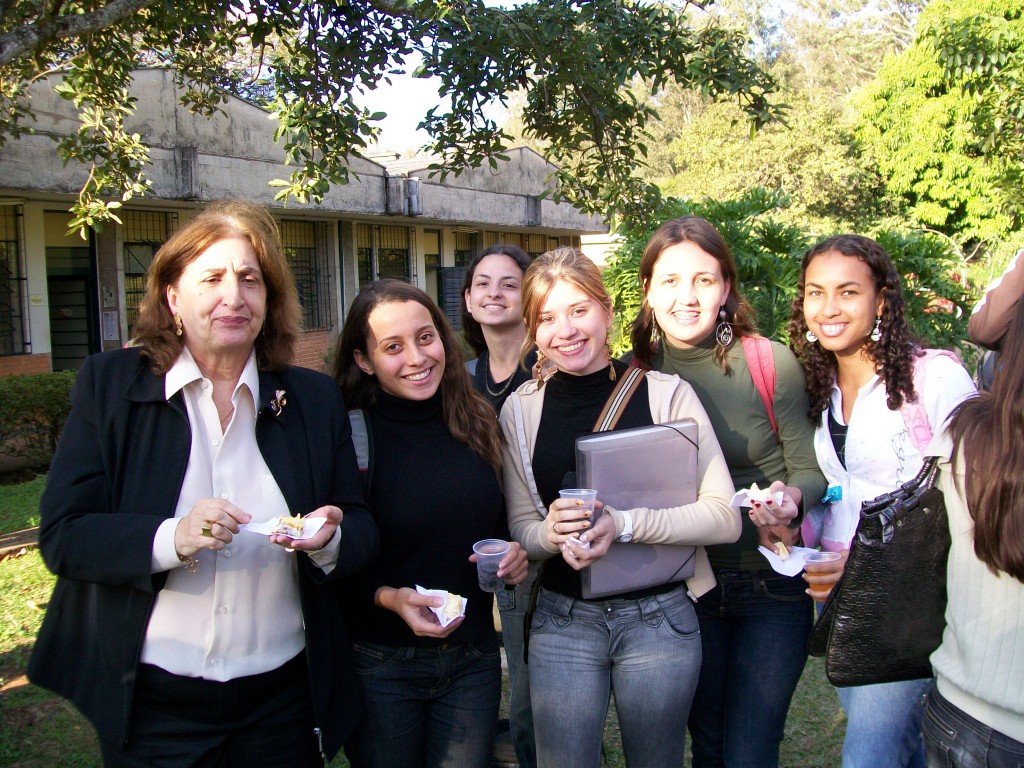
883 724
954 739
753 627
647 651
512 604
427 708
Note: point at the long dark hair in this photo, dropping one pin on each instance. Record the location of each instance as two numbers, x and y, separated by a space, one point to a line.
471 330
154 331
700 232
470 418
988 431
892 355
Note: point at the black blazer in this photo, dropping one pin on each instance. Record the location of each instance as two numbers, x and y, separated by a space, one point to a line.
116 476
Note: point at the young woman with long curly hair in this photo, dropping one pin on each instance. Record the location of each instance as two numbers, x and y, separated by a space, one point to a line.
876 411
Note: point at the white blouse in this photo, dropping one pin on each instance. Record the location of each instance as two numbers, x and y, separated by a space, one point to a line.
880 456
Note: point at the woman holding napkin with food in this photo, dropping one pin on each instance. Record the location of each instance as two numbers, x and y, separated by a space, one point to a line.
185 639
643 644
425 648
694 322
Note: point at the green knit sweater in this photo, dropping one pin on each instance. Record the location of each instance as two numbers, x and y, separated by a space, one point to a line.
741 425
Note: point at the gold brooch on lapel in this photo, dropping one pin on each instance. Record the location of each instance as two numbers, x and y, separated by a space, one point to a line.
279 402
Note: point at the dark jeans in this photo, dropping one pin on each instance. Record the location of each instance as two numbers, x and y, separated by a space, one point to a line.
427 708
955 739
754 627
261 721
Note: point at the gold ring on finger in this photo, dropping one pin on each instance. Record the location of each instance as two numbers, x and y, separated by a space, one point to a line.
206 530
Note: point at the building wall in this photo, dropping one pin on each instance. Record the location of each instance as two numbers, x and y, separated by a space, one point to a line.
233 154
21 365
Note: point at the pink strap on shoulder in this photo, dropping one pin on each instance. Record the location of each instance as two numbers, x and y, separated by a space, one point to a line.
915 417
761 364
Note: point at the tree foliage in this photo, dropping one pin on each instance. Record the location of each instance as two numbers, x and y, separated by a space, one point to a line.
928 123
812 159
573 61
981 48
820 51
768 253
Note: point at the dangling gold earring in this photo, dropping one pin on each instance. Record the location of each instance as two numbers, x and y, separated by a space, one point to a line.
611 364
178 326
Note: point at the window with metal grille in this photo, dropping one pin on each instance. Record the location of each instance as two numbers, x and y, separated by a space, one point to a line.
383 251
305 248
465 247
144 233
12 282
536 245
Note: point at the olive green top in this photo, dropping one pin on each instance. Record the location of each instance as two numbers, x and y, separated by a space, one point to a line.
741 424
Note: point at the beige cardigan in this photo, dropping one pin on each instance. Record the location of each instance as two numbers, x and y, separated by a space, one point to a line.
709 520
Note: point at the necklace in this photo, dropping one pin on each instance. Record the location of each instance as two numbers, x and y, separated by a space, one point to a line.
487 378
226 418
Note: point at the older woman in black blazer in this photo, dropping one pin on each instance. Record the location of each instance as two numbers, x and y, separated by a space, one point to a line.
183 638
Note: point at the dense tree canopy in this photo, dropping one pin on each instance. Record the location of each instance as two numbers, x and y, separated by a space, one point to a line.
943 120
820 52
309 61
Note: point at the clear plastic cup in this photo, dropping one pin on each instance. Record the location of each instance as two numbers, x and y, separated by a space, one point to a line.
489 554
820 592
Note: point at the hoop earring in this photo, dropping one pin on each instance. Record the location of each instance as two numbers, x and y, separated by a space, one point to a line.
876 332
811 338
723 333
178 326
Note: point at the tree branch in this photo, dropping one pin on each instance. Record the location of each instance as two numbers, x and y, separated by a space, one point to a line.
23 40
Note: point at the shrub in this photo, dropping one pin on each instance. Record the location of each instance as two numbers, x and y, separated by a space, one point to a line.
33 410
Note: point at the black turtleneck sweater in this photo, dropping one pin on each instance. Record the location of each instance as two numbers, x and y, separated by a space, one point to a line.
432 498
571 406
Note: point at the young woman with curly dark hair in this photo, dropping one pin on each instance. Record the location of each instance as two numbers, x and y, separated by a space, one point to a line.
876 411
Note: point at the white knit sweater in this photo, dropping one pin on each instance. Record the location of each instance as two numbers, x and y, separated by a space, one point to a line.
980 665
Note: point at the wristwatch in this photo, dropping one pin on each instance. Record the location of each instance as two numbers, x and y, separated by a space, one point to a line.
627 527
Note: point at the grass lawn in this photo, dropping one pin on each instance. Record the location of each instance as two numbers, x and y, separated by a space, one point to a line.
39 730
19 504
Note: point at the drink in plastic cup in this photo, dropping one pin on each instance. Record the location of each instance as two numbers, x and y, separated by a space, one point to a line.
586 497
489 554
820 591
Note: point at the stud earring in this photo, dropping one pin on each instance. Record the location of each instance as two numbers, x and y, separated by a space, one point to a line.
177 324
876 332
811 338
723 333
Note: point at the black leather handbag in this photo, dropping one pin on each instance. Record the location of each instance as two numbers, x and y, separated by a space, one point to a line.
886 615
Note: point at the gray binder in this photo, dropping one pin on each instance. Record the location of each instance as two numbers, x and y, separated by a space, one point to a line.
653 467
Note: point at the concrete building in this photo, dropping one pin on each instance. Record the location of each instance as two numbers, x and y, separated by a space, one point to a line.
62 297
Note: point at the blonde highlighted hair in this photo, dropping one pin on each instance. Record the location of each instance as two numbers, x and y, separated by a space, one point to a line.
568 265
